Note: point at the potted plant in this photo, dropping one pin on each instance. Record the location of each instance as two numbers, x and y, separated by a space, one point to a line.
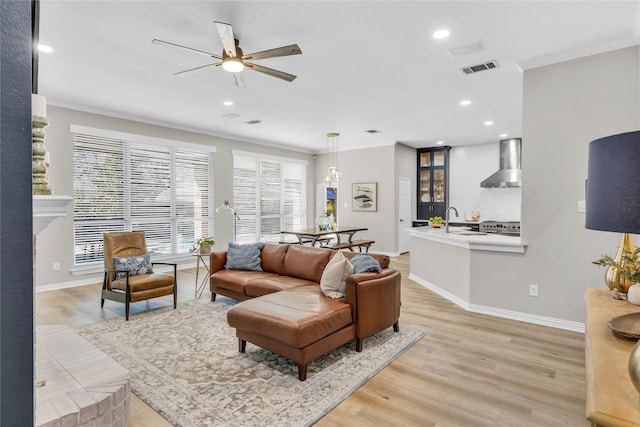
623 271
203 245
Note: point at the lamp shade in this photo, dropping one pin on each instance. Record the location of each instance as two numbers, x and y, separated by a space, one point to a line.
613 184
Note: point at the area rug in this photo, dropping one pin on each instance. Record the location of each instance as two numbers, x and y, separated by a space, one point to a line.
185 364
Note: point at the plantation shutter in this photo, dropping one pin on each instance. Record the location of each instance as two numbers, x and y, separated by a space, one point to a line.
121 185
269 195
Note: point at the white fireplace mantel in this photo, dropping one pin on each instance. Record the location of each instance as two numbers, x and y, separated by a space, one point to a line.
48 208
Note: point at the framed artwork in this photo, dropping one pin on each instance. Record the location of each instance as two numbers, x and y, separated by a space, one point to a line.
364 197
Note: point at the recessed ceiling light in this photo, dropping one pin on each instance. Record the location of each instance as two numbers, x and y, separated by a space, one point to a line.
441 34
45 48
503 135
488 123
228 103
439 142
465 102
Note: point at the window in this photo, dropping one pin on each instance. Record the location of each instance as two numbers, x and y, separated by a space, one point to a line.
133 183
269 195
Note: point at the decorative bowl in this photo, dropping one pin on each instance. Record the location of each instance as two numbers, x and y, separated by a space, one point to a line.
439 225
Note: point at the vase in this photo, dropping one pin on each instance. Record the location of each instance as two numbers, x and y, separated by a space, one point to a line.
634 366
633 294
614 278
323 222
205 249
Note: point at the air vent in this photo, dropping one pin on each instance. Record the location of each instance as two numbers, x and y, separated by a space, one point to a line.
480 67
254 122
372 131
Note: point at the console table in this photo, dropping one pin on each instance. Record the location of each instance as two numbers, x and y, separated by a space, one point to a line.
611 398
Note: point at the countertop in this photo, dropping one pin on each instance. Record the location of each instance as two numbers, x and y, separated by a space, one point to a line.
488 242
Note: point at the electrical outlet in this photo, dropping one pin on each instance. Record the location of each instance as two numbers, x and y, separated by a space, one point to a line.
533 290
56 266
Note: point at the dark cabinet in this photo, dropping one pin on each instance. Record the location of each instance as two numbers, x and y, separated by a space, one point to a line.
433 182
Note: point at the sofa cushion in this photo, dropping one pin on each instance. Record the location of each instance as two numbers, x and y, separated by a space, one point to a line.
296 317
244 257
334 277
272 257
365 264
235 280
305 262
268 285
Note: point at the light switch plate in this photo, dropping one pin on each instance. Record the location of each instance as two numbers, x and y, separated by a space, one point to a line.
582 206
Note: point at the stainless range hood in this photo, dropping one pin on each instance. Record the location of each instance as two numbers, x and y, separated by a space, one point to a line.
509 174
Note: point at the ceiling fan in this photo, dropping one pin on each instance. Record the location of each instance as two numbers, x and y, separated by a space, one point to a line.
233 59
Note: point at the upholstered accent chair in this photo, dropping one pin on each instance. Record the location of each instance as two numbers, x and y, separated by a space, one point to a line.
128 271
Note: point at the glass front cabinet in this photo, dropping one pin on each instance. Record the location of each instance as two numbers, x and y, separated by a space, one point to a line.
433 182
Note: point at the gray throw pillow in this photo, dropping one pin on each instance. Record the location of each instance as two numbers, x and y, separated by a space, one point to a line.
244 257
365 264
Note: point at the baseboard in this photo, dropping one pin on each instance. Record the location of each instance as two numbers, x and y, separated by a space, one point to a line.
499 312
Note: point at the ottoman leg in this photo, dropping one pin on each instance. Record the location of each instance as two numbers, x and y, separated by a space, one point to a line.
242 345
302 371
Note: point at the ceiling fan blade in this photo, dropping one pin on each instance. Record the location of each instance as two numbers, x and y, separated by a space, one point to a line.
270 71
292 49
193 70
238 80
190 49
226 37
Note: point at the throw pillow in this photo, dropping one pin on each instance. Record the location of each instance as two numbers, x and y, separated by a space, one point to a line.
334 277
244 257
140 264
364 264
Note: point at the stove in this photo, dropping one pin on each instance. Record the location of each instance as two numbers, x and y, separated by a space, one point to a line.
505 228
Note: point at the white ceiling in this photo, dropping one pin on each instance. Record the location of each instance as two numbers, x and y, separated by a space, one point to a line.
365 64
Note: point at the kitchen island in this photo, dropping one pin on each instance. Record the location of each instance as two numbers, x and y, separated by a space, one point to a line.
453 264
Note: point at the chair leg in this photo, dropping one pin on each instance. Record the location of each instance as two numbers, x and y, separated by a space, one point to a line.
175 297
126 309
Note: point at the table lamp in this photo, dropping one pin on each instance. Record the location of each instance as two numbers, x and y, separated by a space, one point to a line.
613 195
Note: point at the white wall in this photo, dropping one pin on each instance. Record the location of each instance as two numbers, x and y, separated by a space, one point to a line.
55 244
368 165
566 105
471 164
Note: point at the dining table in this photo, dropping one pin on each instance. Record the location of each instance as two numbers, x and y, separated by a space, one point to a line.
315 235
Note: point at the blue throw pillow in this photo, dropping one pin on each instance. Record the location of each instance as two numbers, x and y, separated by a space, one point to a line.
244 257
140 264
365 264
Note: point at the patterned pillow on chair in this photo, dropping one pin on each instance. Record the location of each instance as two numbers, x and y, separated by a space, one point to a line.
140 264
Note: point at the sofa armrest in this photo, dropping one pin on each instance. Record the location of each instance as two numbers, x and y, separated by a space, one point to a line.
374 300
217 260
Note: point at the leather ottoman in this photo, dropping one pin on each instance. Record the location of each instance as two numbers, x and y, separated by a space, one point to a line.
300 324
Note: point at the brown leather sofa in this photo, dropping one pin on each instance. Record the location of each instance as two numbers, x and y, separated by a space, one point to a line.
285 311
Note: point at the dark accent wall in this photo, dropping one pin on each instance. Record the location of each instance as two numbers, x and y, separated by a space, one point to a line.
16 242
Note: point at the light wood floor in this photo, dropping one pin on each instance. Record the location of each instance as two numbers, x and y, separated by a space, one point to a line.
469 370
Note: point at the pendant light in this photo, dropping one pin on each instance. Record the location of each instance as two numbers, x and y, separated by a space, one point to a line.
333 171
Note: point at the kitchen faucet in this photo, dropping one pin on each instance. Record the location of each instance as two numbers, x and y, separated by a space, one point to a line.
446 218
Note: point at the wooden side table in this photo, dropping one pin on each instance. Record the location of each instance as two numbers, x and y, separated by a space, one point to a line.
201 283
611 398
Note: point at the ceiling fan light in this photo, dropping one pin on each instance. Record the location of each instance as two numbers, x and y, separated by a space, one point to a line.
233 65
